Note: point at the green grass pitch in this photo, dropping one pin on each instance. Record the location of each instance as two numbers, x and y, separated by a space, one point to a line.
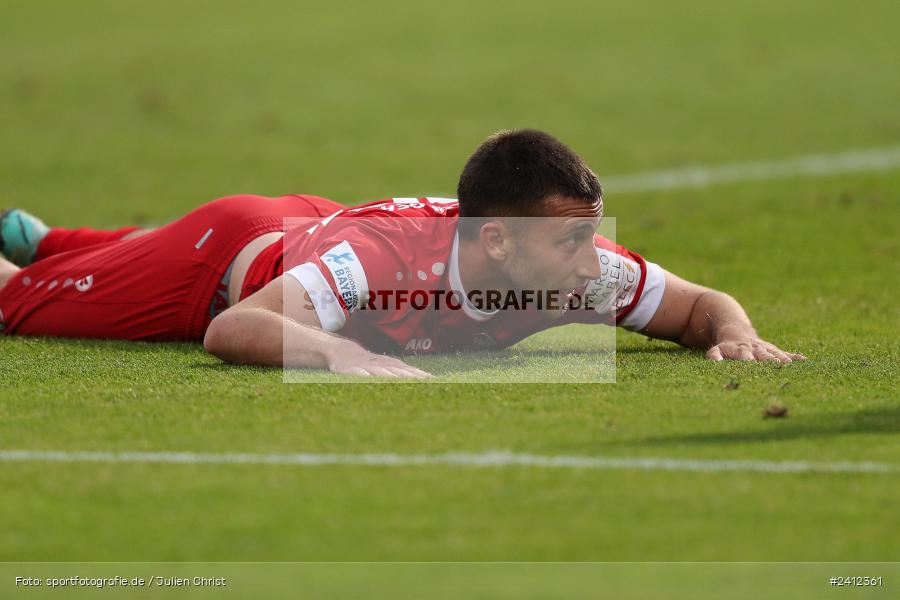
115 113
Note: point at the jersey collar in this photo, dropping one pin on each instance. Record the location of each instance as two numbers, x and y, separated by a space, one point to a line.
470 309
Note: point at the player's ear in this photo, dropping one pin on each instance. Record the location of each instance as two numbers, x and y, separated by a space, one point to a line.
495 239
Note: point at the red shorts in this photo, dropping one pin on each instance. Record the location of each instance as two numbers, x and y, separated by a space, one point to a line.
154 287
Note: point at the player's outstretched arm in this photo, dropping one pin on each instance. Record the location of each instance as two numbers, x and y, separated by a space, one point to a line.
706 319
260 330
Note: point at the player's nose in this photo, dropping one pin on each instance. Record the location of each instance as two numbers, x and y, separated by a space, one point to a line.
588 266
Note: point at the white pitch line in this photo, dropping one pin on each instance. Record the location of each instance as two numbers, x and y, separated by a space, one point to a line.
875 159
457 459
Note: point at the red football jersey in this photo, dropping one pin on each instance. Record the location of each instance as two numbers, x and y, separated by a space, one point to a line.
387 274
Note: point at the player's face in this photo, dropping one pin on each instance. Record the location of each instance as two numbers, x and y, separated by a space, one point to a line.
556 252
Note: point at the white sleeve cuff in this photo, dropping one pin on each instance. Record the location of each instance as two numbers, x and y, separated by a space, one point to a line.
328 307
651 296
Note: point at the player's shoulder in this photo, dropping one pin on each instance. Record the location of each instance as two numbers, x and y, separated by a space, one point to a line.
423 207
408 226
394 234
374 247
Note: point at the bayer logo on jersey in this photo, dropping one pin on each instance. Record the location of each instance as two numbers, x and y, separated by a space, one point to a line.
348 273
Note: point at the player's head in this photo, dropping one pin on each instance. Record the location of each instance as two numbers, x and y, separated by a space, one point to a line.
533 205
517 173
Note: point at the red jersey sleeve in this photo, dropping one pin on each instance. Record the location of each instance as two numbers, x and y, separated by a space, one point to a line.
628 291
344 264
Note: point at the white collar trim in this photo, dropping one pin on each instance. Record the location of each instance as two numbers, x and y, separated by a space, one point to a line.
456 285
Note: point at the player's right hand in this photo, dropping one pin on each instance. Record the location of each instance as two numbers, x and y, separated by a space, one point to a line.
356 360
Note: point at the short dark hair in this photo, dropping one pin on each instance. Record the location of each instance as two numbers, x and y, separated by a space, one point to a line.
513 172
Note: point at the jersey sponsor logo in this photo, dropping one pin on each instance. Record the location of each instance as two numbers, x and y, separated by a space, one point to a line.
85 283
418 344
631 275
617 285
348 273
338 259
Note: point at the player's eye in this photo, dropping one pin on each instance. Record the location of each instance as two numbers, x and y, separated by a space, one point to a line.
573 241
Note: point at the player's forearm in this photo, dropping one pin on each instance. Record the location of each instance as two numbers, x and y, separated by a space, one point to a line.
715 317
257 336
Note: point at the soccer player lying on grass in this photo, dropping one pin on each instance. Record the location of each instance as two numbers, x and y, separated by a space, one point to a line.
231 273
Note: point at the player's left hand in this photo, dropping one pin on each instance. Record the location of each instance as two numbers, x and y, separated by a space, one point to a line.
751 348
